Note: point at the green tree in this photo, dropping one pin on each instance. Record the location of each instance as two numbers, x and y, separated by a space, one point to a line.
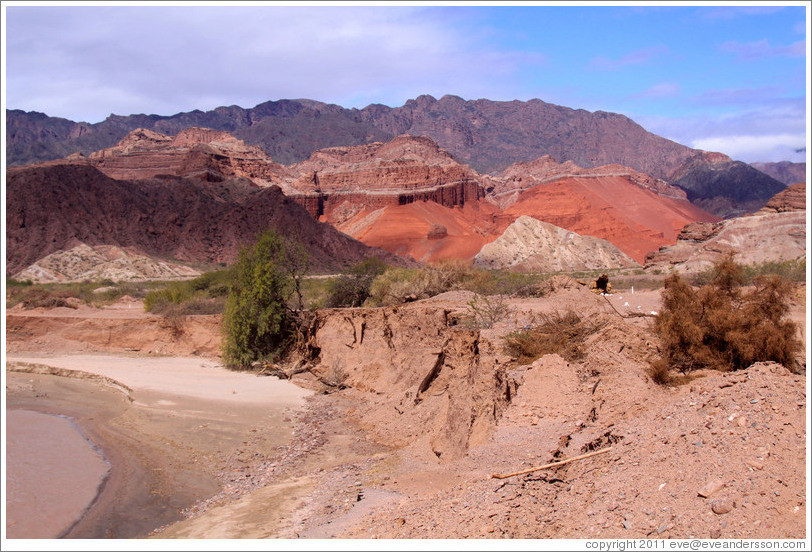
257 321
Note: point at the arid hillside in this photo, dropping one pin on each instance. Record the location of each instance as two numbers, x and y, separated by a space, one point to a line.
56 207
197 196
424 425
776 233
486 135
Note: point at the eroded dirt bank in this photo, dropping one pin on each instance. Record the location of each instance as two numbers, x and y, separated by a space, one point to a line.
423 409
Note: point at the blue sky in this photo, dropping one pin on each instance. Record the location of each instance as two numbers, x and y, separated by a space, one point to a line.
725 78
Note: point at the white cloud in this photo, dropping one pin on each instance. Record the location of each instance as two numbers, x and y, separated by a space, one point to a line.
662 90
769 131
750 149
170 59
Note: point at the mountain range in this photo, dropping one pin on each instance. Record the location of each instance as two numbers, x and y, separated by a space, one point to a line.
167 201
486 135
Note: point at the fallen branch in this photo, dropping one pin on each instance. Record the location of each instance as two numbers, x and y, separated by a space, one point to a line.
553 465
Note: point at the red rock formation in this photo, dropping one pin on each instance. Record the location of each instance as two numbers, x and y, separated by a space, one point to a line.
545 169
614 208
405 170
412 229
396 195
53 207
791 199
195 152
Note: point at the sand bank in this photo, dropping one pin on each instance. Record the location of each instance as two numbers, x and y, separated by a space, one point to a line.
169 430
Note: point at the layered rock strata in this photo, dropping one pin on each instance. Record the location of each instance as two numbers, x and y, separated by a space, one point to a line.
532 245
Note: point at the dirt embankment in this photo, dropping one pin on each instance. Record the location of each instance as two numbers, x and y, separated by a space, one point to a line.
122 327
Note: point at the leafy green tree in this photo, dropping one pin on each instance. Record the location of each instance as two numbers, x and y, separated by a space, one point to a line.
257 321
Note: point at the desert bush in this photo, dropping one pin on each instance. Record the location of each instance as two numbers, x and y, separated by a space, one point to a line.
792 270
353 288
400 285
724 326
39 297
258 323
485 311
202 295
557 333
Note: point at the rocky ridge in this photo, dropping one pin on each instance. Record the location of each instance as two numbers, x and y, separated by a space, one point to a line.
785 172
791 199
407 196
487 135
775 233
102 262
53 207
754 239
535 246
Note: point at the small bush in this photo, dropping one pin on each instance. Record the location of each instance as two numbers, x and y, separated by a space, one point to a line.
558 333
202 295
723 326
486 311
353 288
400 285
793 270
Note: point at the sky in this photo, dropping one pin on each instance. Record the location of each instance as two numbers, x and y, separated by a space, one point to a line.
730 77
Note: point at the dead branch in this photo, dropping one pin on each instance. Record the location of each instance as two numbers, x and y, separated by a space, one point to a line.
552 465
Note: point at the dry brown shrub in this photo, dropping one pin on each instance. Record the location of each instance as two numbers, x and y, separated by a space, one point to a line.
724 326
558 333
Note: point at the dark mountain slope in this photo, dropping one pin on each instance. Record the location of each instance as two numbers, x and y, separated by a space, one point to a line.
53 207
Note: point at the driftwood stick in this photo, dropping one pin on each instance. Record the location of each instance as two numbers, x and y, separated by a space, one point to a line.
553 465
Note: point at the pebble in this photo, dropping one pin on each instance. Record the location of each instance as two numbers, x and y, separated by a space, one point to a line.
722 506
755 465
715 533
710 488
627 525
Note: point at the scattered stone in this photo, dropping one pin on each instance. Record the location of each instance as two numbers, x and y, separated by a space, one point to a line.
715 533
722 506
754 464
710 488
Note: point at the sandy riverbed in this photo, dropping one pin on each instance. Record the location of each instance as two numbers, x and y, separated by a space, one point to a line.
168 426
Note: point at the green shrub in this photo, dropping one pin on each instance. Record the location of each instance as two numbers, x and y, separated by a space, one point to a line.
400 285
485 311
257 322
793 270
353 288
723 326
206 289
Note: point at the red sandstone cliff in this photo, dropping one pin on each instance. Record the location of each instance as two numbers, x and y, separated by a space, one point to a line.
340 182
205 154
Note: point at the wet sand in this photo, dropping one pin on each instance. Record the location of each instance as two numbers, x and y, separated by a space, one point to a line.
169 431
53 474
